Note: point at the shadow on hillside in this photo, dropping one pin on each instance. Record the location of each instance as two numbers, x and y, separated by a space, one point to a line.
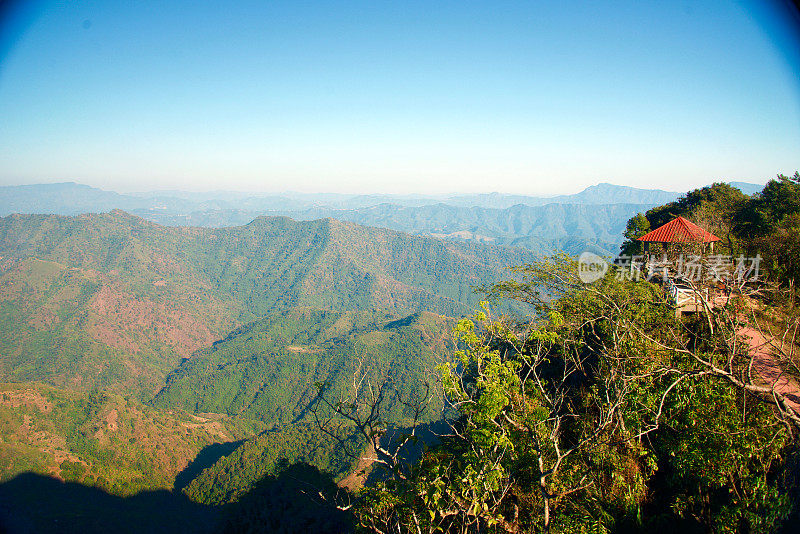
299 499
405 321
204 459
31 503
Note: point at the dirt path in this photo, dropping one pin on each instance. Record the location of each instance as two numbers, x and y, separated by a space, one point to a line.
768 368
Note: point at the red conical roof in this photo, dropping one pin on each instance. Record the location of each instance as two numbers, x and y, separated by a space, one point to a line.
679 230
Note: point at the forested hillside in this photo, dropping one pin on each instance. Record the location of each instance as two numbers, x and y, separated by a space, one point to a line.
255 390
542 229
268 370
251 369
271 372
115 301
266 454
105 306
592 219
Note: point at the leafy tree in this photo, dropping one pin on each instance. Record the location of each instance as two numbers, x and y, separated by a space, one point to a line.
725 198
770 225
637 227
779 198
603 412
782 249
723 463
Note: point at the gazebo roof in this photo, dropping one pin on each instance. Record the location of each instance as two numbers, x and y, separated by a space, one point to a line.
679 230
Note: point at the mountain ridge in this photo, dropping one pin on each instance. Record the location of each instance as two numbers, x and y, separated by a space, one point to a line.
541 229
72 198
113 300
596 215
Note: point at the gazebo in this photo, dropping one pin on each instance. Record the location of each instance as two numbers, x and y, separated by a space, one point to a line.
679 230
687 298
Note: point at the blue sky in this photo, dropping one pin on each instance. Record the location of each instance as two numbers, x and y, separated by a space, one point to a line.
429 97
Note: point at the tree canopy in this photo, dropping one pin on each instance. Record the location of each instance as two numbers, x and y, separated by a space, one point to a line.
603 413
765 223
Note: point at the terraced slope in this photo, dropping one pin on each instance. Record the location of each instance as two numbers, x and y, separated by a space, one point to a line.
102 440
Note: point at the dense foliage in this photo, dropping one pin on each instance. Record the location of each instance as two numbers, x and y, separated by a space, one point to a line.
607 414
269 370
266 455
766 223
112 301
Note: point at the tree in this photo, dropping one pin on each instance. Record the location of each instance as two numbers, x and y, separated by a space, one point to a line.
359 418
602 411
726 200
637 226
782 249
770 225
779 198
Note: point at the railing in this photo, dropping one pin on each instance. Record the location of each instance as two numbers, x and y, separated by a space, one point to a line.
687 298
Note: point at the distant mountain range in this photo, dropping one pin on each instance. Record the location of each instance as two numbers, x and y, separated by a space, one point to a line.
593 219
69 198
542 229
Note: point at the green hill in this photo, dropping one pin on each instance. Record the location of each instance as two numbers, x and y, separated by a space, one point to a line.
265 455
543 229
592 219
255 386
268 370
114 301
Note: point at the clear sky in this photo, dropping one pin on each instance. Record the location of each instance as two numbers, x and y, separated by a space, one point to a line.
534 97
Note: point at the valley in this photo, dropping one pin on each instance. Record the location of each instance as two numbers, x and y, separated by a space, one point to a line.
220 370
399 267
131 350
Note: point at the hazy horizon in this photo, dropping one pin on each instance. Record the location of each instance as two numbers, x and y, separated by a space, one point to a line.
290 192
